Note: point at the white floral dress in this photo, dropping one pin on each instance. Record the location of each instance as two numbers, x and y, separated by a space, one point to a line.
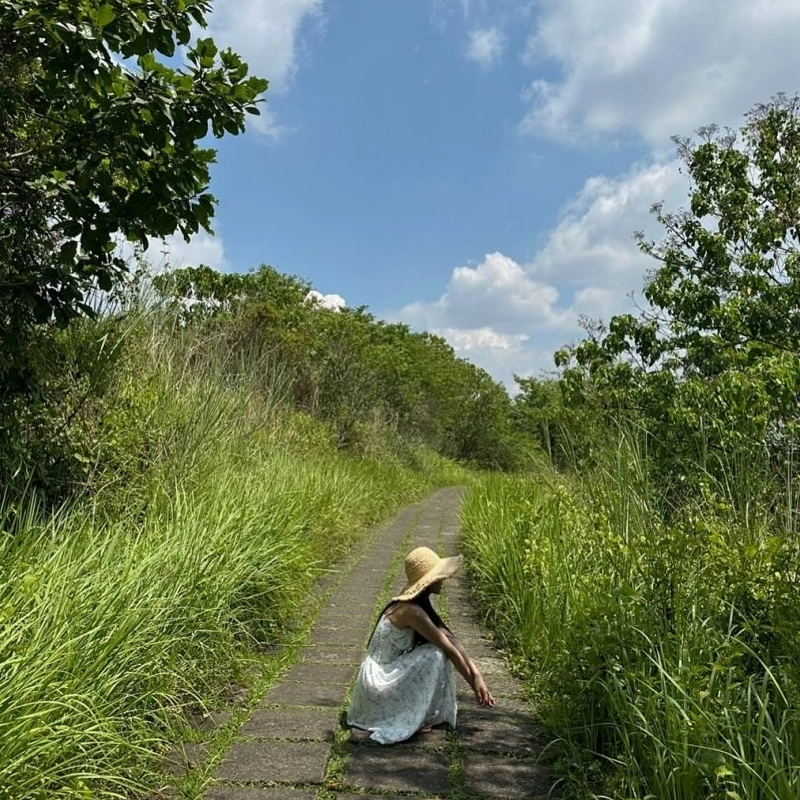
401 687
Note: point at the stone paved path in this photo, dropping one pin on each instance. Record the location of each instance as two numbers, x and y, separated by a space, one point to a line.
294 747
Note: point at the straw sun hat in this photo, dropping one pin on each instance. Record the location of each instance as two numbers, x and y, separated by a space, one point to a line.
424 568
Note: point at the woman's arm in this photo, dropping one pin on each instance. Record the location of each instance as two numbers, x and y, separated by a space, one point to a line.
482 693
410 615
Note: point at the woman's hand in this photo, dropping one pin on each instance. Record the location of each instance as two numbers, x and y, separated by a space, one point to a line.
482 693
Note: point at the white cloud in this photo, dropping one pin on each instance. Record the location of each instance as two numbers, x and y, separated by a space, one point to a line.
510 317
267 123
467 341
173 252
622 67
496 315
498 295
593 241
267 34
657 68
333 302
202 248
501 356
485 46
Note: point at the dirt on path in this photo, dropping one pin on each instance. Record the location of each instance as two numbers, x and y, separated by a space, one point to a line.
294 746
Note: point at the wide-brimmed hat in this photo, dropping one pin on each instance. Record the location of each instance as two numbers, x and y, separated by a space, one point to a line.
424 568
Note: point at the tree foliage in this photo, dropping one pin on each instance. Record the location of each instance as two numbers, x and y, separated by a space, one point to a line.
350 369
712 363
99 141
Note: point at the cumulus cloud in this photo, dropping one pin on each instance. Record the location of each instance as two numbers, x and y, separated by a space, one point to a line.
485 46
656 68
267 34
267 123
333 302
479 339
202 248
491 313
502 356
610 69
593 240
509 317
497 295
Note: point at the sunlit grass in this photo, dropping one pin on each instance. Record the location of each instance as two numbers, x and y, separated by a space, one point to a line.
663 652
201 541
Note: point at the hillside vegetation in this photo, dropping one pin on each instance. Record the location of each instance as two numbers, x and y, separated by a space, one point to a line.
646 578
180 513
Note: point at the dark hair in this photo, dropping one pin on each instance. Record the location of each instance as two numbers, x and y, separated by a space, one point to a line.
423 600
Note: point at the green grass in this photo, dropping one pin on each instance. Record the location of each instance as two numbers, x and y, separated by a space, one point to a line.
663 652
213 509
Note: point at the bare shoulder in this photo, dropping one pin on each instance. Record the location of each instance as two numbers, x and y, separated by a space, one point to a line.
404 614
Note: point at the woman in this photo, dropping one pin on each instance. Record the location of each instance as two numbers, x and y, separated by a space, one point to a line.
405 683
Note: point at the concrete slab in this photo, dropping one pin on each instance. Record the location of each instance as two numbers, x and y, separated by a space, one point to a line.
362 590
360 597
336 636
278 762
291 723
341 617
475 651
496 731
502 777
305 694
350 627
471 636
321 673
253 793
345 604
466 700
396 769
328 654
433 740
381 796
491 665
461 602
499 715
503 686
458 616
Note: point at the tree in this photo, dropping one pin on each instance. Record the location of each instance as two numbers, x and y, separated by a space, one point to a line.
99 141
713 362
539 410
98 144
350 369
480 427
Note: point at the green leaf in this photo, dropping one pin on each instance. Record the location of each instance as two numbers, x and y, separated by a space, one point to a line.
68 251
105 15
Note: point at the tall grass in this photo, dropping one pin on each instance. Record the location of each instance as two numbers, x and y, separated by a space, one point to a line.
663 652
214 507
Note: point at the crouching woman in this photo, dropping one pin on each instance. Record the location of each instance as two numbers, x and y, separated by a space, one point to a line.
405 683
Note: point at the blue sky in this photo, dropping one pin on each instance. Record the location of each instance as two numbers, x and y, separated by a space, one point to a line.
477 169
